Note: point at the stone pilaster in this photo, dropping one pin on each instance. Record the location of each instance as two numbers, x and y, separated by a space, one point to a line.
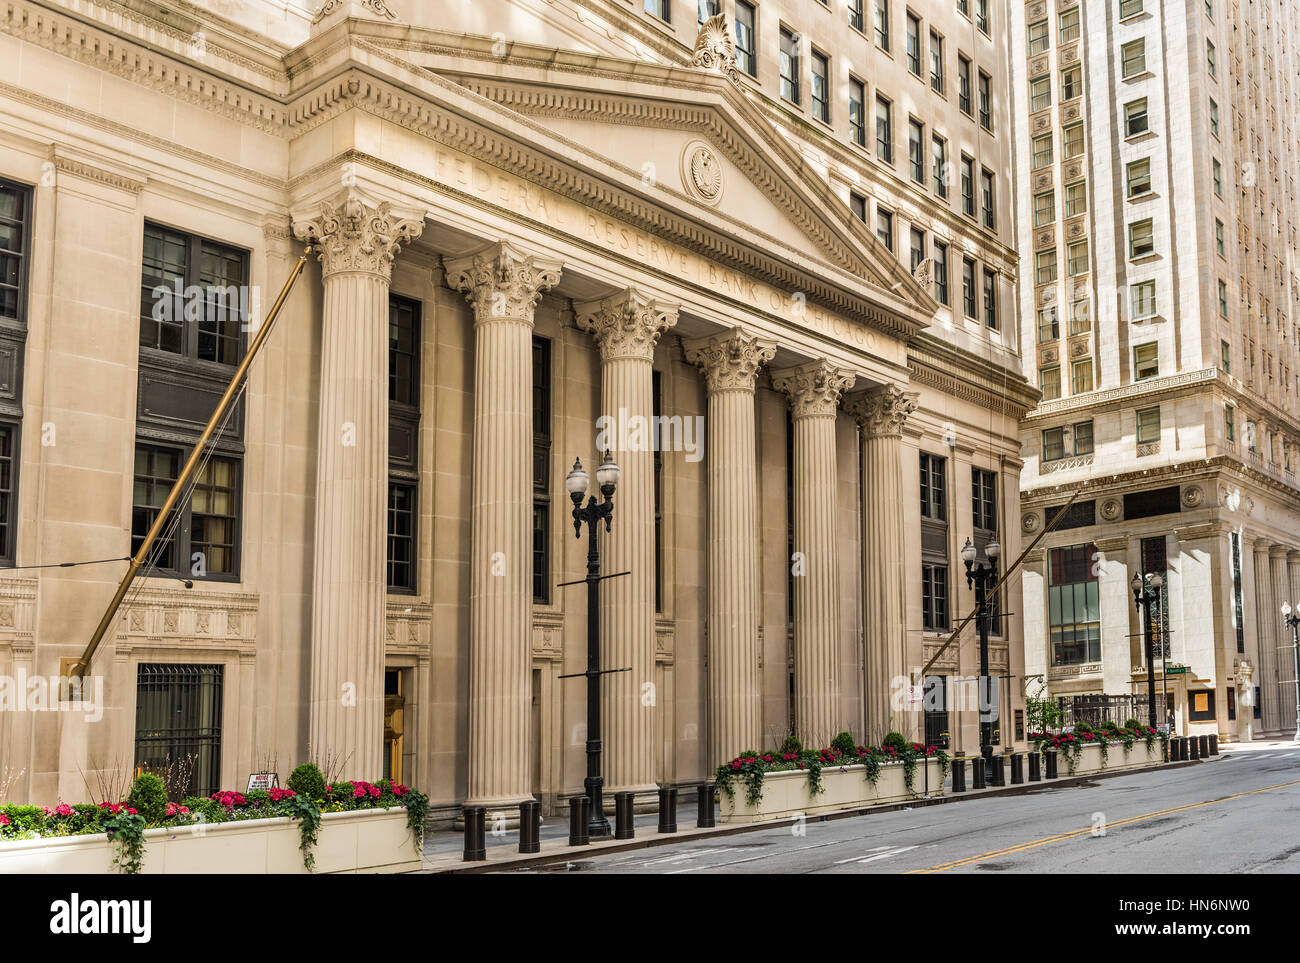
880 415
356 241
1276 696
503 284
626 328
1286 654
814 391
730 364
1265 629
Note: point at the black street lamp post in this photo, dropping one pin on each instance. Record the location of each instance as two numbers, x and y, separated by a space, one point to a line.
1146 593
983 577
1293 622
593 513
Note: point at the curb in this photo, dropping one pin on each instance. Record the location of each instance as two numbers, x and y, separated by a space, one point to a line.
567 853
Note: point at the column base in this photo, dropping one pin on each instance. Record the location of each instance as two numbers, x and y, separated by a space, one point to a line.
501 802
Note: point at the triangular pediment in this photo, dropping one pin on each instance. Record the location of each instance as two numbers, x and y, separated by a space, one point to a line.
681 151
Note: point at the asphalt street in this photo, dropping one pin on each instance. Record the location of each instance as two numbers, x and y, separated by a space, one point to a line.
1237 814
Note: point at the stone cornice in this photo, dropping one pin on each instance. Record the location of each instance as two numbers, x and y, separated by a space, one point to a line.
964 375
169 69
132 180
1181 472
1153 390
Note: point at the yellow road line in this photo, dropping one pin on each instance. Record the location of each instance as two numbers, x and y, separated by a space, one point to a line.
942 867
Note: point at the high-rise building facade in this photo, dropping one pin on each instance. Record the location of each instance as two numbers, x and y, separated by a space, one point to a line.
761 252
1158 151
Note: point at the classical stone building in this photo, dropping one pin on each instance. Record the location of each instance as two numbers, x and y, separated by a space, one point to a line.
776 237
1158 231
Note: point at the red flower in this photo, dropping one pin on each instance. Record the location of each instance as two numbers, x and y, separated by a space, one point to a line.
4 820
63 809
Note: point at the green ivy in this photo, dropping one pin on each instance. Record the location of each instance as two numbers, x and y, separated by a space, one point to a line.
306 811
127 831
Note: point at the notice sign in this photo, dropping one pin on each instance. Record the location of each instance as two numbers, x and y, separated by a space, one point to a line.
915 695
263 780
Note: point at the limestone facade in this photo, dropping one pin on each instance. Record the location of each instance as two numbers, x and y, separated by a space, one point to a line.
1159 312
595 215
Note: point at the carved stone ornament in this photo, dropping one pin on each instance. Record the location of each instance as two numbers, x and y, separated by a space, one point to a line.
814 388
1111 509
627 325
701 172
924 275
730 362
714 49
357 236
502 282
377 7
1030 522
882 413
1193 495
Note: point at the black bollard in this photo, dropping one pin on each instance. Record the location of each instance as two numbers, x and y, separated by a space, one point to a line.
998 777
1176 749
623 828
1051 763
959 775
1204 746
1214 744
704 805
977 780
579 807
667 810
1017 768
475 836
530 819
1193 748
1035 767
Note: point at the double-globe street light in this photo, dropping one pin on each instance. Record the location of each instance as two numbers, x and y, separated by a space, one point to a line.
1293 621
983 577
576 483
1146 593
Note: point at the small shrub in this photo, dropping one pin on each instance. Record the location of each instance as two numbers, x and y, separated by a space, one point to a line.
844 743
307 781
148 798
1132 724
894 741
791 746
749 753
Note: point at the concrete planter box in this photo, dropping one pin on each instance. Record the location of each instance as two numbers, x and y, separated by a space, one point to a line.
366 841
1090 760
786 793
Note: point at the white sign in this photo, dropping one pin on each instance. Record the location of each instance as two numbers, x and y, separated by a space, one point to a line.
263 780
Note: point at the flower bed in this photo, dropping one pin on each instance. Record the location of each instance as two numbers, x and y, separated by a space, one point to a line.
779 785
352 826
1087 749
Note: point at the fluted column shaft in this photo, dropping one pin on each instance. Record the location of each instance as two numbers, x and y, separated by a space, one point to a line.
504 286
730 364
1265 629
626 329
1273 673
814 391
881 415
356 242
1286 654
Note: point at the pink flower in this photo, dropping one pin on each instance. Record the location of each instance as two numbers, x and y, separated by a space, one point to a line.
63 809
4 820
358 792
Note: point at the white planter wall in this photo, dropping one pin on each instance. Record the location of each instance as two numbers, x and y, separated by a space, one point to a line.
785 794
1090 760
368 841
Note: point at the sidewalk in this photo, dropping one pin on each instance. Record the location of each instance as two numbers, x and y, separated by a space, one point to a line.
443 850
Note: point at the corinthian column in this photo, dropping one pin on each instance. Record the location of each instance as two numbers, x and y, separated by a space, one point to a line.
356 242
730 364
814 391
627 328
503 285
1265 631
880 415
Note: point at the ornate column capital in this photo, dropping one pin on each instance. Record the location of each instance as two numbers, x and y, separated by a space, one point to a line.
503 282
1277 550
353 235
814 388
730 361
627 325
881 412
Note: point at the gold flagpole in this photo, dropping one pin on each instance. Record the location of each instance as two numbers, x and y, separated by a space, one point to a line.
992 593
78 669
